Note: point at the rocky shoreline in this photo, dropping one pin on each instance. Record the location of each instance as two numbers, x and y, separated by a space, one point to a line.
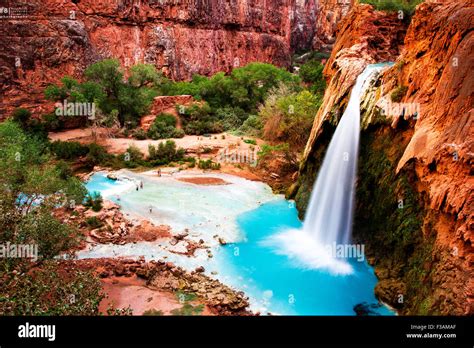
163 276
111 226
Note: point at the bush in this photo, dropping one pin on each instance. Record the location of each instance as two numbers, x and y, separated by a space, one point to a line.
407 6
94 222
250 141
51 235
139 134
245 87
163 127
188 310
165 153
199 120
153 312
398 93
68 150
231 118
45 290
21 116
252 126
64 170
52 122
167 119
289 116
94 201
133 157
209 164
312 73
96 155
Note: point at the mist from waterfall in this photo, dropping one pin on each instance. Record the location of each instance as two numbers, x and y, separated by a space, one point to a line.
328 220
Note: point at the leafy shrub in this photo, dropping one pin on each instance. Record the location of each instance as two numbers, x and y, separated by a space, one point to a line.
252 126
94 222
69 150
94 201
139 134
51 235
191 162
209 164
167 119
312 72
268 149
289 116
21 116
230 117
133 157
250 141
97 155
165 153
46 291
64 170
407 6
245 87
188 310
163 127
199 120
52 122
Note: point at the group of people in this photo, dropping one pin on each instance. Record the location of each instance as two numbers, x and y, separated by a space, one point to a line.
140 186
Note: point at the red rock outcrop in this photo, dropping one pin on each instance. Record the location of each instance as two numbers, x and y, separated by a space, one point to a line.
436 66
165 104
364 37
329 15
52 38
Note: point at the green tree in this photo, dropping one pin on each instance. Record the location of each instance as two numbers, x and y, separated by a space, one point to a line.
312 73
32 186
108 74
142 75
21 116
289 116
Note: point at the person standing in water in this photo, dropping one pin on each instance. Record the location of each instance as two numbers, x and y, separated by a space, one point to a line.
141 184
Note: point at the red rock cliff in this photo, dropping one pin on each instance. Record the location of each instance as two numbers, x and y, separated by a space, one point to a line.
180 37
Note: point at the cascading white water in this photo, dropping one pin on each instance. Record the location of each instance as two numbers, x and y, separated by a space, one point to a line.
329 214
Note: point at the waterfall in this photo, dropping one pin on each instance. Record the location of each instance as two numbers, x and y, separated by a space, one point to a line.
328 221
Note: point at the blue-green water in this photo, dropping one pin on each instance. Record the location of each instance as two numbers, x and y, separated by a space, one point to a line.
290 288
273 282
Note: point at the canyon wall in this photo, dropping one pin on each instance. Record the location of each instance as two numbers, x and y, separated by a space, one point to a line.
415 208
44 40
